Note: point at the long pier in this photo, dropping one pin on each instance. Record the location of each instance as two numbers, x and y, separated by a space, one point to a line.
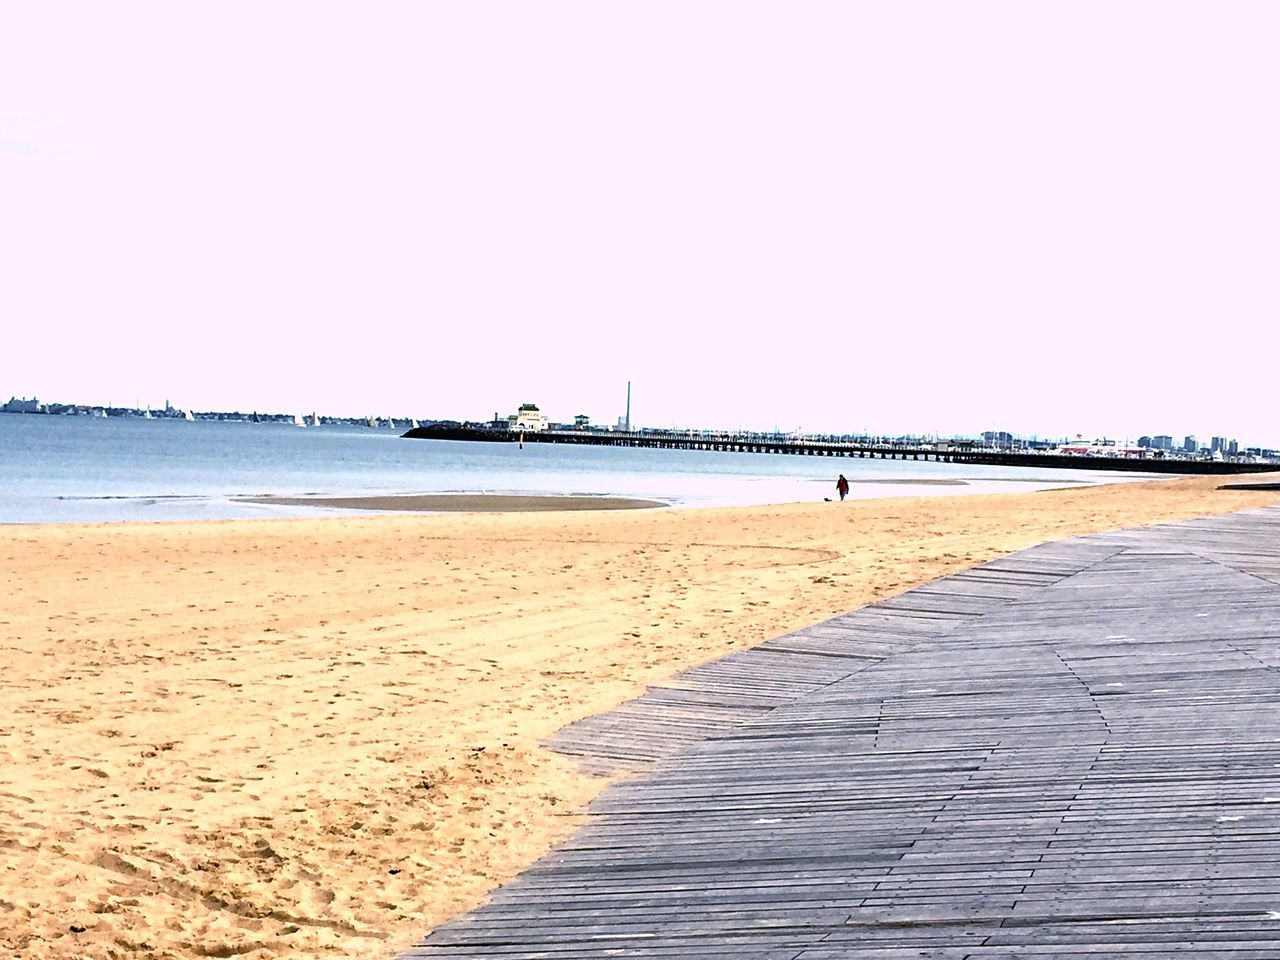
730 443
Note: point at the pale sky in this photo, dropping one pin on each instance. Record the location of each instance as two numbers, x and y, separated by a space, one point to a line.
934 217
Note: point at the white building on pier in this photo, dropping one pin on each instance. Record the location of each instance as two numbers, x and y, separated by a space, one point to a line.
529 419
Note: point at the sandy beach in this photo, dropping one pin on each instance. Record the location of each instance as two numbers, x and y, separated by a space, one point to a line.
318 738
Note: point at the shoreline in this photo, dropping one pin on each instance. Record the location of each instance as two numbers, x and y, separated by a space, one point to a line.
93 509
319 738
459 502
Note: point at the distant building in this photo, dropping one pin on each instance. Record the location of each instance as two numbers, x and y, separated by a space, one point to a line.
528 418
1233 448
1218 444
23 406
1189 445
1162 442
997 438
581 422
1145 442
1098 448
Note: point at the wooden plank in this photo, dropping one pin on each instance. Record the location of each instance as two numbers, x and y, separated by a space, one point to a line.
1069 752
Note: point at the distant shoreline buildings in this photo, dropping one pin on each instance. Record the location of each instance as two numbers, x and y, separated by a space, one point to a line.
33 406
529 418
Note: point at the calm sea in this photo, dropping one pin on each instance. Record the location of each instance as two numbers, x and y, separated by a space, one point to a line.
82 469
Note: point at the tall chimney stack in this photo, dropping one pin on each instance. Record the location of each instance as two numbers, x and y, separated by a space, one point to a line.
628 406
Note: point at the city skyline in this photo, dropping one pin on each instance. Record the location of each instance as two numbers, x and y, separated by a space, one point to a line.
843 219
1181 443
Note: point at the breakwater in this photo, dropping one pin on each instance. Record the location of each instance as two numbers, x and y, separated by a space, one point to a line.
676 440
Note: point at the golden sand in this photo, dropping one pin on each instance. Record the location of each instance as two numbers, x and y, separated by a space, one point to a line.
321 737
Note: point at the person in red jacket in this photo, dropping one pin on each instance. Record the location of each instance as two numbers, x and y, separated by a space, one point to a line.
842 487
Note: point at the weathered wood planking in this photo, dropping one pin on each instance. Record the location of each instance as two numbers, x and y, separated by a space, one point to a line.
744 685
1087 767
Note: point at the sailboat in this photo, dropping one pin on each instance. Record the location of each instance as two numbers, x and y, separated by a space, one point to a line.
146 415
413 424
391 423
370 422
298 421
254 418
313 420
186 415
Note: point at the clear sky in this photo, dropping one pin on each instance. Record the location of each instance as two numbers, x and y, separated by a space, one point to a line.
938 217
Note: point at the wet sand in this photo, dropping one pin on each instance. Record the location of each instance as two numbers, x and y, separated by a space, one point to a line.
460 503
319 737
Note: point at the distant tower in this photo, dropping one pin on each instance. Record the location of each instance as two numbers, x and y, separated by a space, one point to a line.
628 421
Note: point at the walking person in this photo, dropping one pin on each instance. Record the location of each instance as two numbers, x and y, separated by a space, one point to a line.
842 487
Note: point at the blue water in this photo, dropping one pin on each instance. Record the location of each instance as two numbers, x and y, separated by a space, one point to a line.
83 469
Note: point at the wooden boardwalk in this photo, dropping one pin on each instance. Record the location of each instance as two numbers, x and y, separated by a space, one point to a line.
1071 752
